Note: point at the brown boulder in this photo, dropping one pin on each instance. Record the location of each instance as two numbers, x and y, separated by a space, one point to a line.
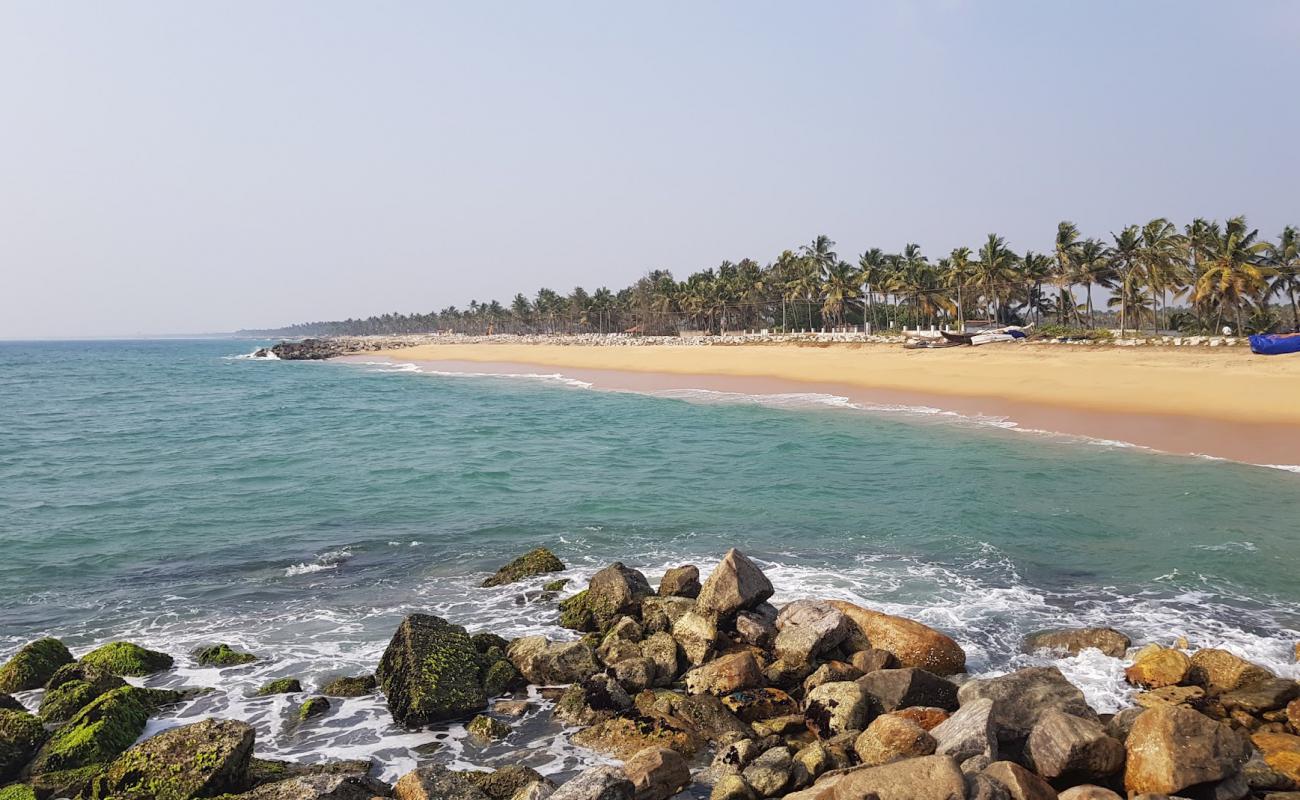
871 659
751 705
1171 748
808 628
697 634
1021 697
734 585
657 773
725 675
927 717
1075 640
683 581
1221 671
892 689
913 644
836 707
624 737
1088 792
1261 696
1155 667
889 738
924 778
1020 783
831 671
1281 751
1072 749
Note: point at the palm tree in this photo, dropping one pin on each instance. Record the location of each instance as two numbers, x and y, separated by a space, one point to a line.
1234 273
871 269
818 258
1067 265
1094 268
996 267
1284 258
1159 257
961 271
1124 262
840 285
1035 268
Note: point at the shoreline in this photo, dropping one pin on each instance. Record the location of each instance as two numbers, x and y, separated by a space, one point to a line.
1162 400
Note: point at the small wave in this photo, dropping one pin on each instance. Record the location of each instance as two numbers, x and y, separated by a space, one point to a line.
332 559
1243 547
260 354
1283 467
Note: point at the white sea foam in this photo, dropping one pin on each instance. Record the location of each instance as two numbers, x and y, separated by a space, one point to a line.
332 559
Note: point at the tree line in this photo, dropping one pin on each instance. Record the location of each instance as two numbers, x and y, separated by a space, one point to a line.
1156 276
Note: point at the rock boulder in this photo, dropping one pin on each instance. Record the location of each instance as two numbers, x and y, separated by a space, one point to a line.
33 665
734 585
535 562
1075 640
913 644
1171 748
430 671
201 760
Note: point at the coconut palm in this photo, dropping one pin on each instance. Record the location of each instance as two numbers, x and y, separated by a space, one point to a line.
1093 268
1233 274
839 286
995 268
1160 260
960 272
1124 254
1284 258
1067 265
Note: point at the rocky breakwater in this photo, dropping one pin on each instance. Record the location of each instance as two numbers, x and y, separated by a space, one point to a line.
320 349
693 686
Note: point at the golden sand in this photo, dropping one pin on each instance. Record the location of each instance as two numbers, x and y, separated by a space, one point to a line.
1224 384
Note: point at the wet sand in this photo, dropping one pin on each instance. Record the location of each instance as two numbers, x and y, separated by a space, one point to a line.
1215 403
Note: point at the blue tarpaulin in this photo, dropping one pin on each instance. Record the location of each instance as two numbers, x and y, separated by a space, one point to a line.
1268 344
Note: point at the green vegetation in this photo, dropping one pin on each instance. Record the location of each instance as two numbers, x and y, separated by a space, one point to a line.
17 791
280 686
99 732
313 707
350 687
126 658
20 735
535 562
485 729
221 655
33 665
1219 273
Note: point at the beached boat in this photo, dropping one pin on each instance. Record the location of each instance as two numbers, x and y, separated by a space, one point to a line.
1275 344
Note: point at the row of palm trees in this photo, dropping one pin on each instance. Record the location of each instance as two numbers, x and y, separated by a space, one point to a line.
1155 276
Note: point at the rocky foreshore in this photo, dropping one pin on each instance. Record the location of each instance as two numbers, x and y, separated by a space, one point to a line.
329 347
695 687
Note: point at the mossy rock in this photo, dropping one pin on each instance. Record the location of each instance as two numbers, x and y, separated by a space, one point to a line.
486 642
33 665
588 612
556 585
100 731
8 703
313 707
359 686
17 791
127 658
535 562
500 678
21 734
267 770
201 760
484 729
280 686
221 655
502 783
430 672
72 688
66 782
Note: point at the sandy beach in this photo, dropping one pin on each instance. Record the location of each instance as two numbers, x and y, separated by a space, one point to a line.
1223 403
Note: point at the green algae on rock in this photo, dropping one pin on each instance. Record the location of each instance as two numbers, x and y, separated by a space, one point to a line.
100 731
221 655
17 791
313 707
201 760
535 562
556 585
280 686
72 688
485 729
10 704
127 658
21 734
33 665
358 686
430 672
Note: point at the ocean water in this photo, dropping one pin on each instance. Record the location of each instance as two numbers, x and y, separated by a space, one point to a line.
177 494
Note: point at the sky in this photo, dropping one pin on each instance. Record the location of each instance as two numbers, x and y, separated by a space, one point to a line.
173 168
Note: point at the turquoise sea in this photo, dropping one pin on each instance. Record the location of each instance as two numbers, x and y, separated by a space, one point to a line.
175 493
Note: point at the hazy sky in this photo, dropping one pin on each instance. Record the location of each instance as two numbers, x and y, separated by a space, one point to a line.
186 166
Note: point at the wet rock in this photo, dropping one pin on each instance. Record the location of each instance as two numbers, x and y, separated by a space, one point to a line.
768 774
1221 671
501 677
1019 782
981 787
1088 792
430 672
913 644
612 592
1075 640
1155 667
836 707
1072 749
96 734
1120 724
535 562
320 787
505 782
755 629
659 613
512 708
661 648
787 725
731 787
1260 696
697 635
634 674
72 687
313 707
205 759
969 732
808 628
221 655
892 689
683 581
725 675
889 738
1171 748
1021 697
21 735
928 717
734 585
871 659
925 778
596 783
1187 696
787 674
280 686
1293 715
127 658
657 773
831 671
266 770
713 721
810 763
751 705
358 686
543 662
436 782
1281 752
484 729
595 698
33 665
623 737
